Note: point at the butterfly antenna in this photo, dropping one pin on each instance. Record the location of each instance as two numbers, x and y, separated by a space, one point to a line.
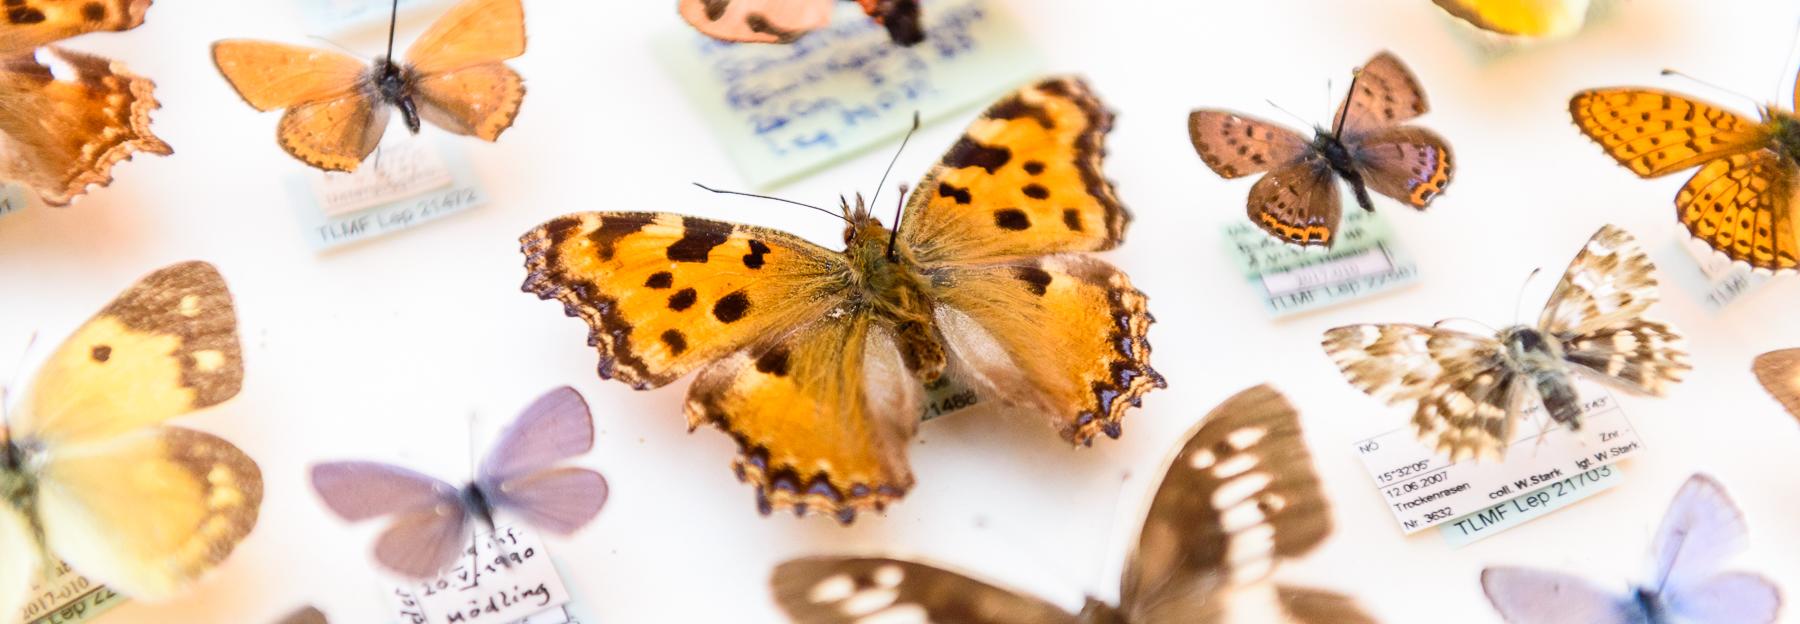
894 235
1519 302
1754 105
1337 124
393 24
785 201
890 167
1303 122
335 44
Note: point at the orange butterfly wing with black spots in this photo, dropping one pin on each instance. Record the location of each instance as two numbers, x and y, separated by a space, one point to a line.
1741 201
783 21
817 362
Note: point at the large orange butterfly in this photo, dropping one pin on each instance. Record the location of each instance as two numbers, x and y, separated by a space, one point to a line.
337 105
1741 202
61 132
782 21
818 362
1366 146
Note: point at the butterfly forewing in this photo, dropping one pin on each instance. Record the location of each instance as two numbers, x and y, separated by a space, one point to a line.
475 32
31 24
1312 606
459 82
1655 133
1236 145
1063 336
1779 372
1383 93
1239 495
1597 311
166 346
1024 179
843 590
555 427
559 500
429 517
1700 532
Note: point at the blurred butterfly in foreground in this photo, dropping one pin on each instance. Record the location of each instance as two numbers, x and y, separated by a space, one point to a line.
783 21
1701 531
305 615
431 518
1535 19
90 474
1741 203
1366 147
65 123
817 362
1779 372
1238 497
1471 389
337 105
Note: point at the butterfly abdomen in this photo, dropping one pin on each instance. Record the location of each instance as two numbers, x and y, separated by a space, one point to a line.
1344 166
894 288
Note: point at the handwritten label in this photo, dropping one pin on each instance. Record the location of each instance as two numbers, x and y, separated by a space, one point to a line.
504 577
1709 276
68 598
1530 506
785 110
1290 280
402 169
428 180
328 16
1423 488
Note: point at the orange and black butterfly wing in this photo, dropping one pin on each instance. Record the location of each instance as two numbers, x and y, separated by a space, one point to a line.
757 21
334 117
61 135
1407 163
27 25
460 81
1743 206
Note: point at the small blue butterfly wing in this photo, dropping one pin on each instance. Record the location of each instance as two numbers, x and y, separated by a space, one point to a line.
517 474
1701 531
430 520
1533 596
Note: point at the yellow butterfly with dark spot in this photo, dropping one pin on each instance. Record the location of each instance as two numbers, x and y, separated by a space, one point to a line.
819 362
1237 498
1521 18
337 105
1741 203
69 117
88 473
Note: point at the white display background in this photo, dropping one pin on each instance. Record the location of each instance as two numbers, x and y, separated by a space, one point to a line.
383 350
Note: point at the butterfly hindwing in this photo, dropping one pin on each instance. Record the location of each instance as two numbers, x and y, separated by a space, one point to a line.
63 132
846 590
1409 164
1246 462
1063 336
1024 179
1532 596
166 346
1467 401
148 512
1297 202
428 516
272 76
1743 206
665 294
1597 310
822 414
1779 373
459 79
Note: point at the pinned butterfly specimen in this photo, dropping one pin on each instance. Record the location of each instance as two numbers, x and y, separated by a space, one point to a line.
1366 147
817 362
1779 372
1534 19
431 519
783 21
338 106
1741 203
66 123
305 615
1701 531
1238 497
92 477
1470 389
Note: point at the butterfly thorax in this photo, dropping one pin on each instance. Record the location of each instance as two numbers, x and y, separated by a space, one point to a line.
394 83
18 485
1649 607
478 503
1528 349
1785 129
893 289
1337 156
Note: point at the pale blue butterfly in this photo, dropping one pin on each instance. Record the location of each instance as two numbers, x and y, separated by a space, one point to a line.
1701 530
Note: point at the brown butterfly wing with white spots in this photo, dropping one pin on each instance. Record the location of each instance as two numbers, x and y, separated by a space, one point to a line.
1467 399
1239 496
1597 312
1383 93
1024 179
848 590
